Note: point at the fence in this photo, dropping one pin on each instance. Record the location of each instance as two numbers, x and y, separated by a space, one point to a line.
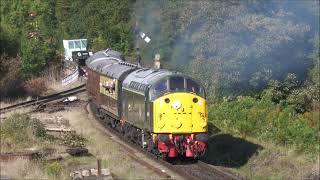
71 78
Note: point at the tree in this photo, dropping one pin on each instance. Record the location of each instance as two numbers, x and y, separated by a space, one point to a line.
106 24
233 47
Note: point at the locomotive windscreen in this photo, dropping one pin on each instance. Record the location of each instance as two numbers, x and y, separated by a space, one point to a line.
176 83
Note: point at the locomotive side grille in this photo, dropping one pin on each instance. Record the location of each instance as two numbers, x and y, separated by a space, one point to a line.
138 86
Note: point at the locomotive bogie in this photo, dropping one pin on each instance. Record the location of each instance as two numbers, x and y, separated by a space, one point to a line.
186 145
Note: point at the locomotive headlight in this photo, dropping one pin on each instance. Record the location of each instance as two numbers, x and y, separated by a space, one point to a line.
176 104
195 100
167 100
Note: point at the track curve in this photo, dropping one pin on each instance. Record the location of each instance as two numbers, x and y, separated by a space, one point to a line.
45 99
188 170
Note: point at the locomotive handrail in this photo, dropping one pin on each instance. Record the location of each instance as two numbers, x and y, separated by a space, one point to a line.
128 64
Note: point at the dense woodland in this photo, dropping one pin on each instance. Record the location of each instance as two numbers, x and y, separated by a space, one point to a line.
258 60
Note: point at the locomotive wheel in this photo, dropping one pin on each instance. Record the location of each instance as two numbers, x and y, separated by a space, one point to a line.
164 156
118 127
106 120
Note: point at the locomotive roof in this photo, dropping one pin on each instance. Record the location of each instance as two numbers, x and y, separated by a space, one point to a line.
139 79
110 63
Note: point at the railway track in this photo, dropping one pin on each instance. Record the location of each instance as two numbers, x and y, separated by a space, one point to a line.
132 152
188 170
201 170
44 99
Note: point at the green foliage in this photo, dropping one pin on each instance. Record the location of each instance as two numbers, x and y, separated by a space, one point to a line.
279 91
72 139
314 73
22 130
286 113
232 47
10 76
106 24
262 119
38 39
8 43
98 43
301 97
54 169
12 19
31 37
34 56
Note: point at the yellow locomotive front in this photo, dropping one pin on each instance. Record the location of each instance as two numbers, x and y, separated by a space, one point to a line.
179 117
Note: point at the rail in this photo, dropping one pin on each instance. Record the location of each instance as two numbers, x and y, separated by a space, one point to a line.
190 170
45 99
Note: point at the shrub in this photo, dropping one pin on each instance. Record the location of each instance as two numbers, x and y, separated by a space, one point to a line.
73 140
53 169
247 116
22 130
35 86
10 76
301 99
312 117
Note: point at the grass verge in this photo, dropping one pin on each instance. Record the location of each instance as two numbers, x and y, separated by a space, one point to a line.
265 140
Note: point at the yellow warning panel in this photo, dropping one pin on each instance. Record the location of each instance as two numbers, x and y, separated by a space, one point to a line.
180 113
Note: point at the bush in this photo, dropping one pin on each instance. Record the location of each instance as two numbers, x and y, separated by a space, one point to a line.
262 119
10 76
35 86
302 98
72 139
290 92
22 130
54 169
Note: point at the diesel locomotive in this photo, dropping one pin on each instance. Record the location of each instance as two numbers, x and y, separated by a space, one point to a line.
164 112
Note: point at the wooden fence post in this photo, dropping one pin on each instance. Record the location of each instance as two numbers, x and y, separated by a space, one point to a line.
99 168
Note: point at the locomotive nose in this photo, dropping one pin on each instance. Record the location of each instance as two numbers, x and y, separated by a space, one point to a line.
176 104
180 113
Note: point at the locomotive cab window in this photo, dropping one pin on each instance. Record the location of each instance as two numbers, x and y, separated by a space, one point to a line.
194 87
161 87
176 84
